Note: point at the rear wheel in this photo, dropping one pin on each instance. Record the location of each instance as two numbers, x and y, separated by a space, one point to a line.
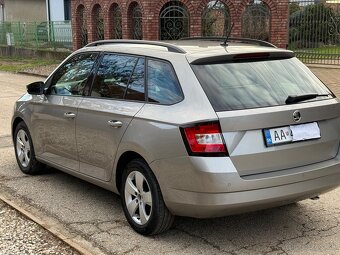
24 150
142 200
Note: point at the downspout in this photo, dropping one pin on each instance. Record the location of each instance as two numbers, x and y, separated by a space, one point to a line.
48 19
48 10
2 14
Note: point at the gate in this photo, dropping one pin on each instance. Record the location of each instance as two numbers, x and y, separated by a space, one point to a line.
215 19
137 32
117 23
174 20
256 21
314 31
99 21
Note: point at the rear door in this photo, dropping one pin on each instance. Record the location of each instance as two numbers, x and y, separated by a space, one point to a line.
117 95
258 125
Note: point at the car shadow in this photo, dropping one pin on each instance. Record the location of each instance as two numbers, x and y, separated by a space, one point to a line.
261 231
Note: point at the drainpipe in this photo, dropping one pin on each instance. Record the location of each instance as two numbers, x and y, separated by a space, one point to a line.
48 10
48 19
2 12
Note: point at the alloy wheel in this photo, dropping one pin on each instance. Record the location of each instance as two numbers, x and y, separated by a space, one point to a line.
138 197
23 148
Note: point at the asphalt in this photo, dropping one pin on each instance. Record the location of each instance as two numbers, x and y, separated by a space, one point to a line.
91 219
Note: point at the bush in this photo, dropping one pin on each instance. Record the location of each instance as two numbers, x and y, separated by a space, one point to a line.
311 25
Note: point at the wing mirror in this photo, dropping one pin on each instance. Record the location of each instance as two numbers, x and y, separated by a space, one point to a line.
36 88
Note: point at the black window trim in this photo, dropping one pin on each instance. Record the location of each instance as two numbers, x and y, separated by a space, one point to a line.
128 84
99 59
66 61
146 74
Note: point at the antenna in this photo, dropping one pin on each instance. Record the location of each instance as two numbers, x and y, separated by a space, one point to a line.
226 39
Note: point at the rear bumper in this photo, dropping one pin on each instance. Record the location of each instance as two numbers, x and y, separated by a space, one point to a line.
194 187
205 205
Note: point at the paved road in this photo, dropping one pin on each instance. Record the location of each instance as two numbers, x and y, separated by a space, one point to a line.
86 211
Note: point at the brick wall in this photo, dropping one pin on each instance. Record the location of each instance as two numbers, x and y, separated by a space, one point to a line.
152 8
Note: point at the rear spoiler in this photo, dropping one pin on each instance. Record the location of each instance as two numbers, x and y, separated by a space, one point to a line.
255 56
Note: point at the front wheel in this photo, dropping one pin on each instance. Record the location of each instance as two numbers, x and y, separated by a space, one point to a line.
142 200
24 150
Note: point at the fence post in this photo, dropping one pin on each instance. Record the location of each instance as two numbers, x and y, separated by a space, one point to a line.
36 34
20 34
53 35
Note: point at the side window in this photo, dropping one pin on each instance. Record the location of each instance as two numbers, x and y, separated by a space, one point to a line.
136 88
70 79
163 86
113 76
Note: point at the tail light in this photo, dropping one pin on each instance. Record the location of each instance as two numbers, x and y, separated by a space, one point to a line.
204 139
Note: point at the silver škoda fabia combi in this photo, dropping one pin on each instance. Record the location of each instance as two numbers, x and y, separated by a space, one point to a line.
192 128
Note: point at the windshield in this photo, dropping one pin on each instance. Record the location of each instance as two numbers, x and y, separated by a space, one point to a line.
244 85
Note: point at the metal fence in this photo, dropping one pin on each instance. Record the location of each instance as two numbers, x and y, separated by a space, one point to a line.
50 35
314 30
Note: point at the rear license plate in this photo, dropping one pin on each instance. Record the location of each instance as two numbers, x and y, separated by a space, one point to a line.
289 134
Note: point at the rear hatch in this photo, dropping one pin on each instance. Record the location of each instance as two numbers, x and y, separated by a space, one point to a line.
274 113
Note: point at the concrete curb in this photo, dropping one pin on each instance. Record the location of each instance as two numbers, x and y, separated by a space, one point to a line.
323 66
33 74
27 73
52 225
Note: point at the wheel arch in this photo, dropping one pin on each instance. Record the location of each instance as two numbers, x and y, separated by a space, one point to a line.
124 159
15 123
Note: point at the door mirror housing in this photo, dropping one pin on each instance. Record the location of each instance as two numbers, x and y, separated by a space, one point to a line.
36 88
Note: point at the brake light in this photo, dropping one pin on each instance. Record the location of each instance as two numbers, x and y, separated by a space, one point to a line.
250 56
204 139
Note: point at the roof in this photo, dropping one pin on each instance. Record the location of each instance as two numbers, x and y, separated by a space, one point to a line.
192 49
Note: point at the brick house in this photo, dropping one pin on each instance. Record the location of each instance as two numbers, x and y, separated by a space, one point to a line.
165 19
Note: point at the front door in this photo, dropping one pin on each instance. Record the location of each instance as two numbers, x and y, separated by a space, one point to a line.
55 113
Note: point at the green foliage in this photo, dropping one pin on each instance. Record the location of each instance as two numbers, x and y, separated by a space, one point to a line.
310 26
293 7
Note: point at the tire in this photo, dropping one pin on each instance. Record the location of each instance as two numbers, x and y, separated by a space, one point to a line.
24 151
146 197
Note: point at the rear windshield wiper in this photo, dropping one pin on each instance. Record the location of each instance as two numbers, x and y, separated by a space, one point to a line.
300 98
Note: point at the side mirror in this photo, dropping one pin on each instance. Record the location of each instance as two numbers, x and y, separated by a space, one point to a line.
36 88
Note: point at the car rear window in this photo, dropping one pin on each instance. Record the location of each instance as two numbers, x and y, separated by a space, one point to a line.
245 85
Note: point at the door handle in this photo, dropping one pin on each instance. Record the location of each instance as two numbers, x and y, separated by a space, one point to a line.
69 115
115 123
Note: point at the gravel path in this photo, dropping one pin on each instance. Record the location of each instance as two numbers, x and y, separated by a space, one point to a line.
20 236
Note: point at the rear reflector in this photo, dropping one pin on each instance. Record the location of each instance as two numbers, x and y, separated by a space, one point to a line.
204 139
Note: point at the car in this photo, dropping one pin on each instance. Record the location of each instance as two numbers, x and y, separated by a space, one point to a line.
198 127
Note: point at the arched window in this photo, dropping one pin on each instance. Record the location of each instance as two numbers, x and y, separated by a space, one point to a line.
82 25
174 21
135 21
256 21
98 22
215 19
116 19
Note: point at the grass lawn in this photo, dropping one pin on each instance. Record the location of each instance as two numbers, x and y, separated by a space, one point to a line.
321 55
328 50
14 64
321 50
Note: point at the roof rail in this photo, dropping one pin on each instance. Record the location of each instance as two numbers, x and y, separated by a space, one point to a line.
170 47
238 39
